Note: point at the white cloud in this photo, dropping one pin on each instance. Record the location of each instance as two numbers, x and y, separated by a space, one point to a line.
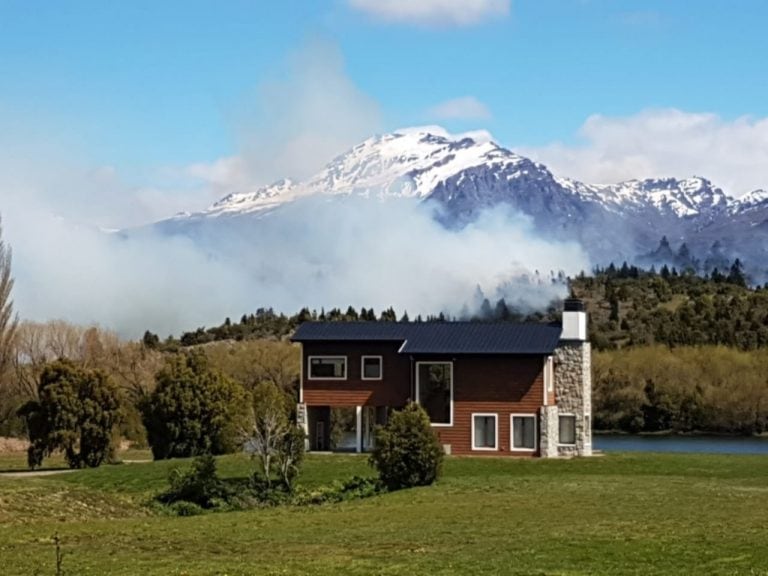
295 124
665 142
465 108
433 12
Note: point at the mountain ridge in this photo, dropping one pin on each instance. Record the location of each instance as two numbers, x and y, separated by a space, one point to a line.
468 173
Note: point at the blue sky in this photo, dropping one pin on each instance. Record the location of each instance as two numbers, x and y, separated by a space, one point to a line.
149 88
117 114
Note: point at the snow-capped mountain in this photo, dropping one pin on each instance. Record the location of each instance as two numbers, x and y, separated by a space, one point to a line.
469 172
408 163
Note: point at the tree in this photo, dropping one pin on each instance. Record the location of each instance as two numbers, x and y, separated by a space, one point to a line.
131 365
254 361
193 410
389 315
614 304
151 340
276 443
407 451
77 412
736 274
8 326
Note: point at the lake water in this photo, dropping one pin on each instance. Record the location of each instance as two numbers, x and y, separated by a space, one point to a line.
701 444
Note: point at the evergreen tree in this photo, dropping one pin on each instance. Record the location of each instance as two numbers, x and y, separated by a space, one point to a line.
150 340
351 314
193 409
77 411
736 274
388 315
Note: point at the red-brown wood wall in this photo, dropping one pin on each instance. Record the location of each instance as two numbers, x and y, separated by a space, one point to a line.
393 390
501 385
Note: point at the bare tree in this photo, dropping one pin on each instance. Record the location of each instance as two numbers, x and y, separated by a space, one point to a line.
254 361
9 322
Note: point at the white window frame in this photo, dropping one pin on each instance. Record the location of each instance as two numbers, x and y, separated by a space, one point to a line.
512 447
418 365
495 417
362 368
324 357
567 415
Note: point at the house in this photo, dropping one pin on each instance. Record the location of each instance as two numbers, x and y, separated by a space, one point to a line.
488 388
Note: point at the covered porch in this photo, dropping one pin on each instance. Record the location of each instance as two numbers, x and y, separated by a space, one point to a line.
342 428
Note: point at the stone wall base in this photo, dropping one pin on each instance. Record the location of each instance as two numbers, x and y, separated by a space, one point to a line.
549 434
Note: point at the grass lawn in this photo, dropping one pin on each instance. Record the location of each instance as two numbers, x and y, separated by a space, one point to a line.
619 514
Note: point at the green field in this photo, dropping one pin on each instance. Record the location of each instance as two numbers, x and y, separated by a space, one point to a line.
617 514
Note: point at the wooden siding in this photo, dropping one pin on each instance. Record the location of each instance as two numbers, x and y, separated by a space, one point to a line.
501 385
393 390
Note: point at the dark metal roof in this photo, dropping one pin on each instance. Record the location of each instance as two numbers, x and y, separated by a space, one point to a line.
440 337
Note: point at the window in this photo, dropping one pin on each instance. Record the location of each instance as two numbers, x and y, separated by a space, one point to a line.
371 369
523 432
484 432
328 367
434 391
568 429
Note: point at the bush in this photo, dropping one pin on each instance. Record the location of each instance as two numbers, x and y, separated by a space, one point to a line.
193 410
353 489
183 508
407 451
200 485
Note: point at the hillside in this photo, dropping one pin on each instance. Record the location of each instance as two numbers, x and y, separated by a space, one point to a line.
632 307
628 307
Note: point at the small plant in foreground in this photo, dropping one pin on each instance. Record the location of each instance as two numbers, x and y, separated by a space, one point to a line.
407 451
199 486
353 489
59 556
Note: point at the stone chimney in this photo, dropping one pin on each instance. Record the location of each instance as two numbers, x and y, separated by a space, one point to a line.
567 426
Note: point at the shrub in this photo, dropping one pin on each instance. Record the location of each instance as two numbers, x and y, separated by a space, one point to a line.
355 488
183 508
193 410
200 485
407 451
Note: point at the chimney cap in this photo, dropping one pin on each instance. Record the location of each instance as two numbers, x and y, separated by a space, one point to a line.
573 305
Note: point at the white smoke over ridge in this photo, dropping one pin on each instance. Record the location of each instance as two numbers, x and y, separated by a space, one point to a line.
347 250
318 252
